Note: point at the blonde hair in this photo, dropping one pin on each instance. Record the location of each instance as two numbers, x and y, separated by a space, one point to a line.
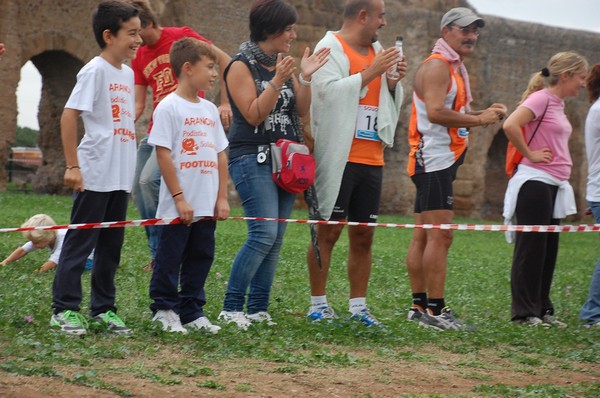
39 220
564 62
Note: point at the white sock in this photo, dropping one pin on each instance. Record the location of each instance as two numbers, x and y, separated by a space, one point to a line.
317 302
357 304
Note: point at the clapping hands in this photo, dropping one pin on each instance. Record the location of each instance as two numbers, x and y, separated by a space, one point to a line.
311 63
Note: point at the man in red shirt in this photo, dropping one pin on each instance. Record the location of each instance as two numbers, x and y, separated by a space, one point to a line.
152 69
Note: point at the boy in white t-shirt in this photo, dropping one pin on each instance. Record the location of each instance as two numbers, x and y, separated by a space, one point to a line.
100 170
190 144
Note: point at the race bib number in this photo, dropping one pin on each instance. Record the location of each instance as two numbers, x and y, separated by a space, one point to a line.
366 123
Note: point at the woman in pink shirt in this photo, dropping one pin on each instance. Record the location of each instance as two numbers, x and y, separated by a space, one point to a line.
540 185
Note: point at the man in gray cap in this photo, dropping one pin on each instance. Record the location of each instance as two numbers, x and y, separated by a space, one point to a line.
438 137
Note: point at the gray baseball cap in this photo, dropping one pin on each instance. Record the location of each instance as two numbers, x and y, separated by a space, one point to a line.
462 17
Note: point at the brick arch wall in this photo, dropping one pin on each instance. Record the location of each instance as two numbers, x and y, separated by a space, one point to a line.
508 52
495 177
39 31
58 69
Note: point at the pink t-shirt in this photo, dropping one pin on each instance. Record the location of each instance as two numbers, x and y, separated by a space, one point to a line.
553 133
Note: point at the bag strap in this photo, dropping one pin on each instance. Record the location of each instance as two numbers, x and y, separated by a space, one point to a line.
253 66
539 122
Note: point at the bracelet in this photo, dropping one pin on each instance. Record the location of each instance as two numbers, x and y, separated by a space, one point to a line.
177 194
72 167
304 82
270 82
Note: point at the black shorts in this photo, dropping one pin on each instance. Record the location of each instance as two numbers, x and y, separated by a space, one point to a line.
434 190
360 193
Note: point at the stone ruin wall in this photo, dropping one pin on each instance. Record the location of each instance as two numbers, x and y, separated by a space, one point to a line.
57 38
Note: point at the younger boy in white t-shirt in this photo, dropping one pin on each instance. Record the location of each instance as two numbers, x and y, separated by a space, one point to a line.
100 170
190 144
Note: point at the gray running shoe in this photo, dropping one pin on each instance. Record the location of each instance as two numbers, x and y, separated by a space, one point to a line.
414 314
553 321
533 321
445 321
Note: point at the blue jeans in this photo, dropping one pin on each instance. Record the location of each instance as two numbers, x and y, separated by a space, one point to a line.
590 311
255 264
146 184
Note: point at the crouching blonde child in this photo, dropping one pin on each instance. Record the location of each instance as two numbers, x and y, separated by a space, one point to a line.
39 239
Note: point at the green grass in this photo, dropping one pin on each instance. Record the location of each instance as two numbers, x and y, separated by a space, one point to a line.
477 289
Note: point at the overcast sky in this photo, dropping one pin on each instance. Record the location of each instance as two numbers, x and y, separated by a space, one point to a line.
573 14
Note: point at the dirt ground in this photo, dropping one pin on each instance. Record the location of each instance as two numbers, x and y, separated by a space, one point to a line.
448 374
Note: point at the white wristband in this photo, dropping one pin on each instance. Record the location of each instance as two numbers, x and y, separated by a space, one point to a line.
302 81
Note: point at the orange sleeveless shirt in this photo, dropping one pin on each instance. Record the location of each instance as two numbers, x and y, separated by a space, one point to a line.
434 147
366 145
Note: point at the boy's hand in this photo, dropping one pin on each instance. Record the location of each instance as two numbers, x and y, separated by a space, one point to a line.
186 212
222 209
74 179
226 115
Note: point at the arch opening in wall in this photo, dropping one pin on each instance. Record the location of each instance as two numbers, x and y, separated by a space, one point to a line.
495 178
29 93
24 156
59 72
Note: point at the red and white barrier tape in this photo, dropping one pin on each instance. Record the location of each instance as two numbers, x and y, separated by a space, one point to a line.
454 227
106 224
